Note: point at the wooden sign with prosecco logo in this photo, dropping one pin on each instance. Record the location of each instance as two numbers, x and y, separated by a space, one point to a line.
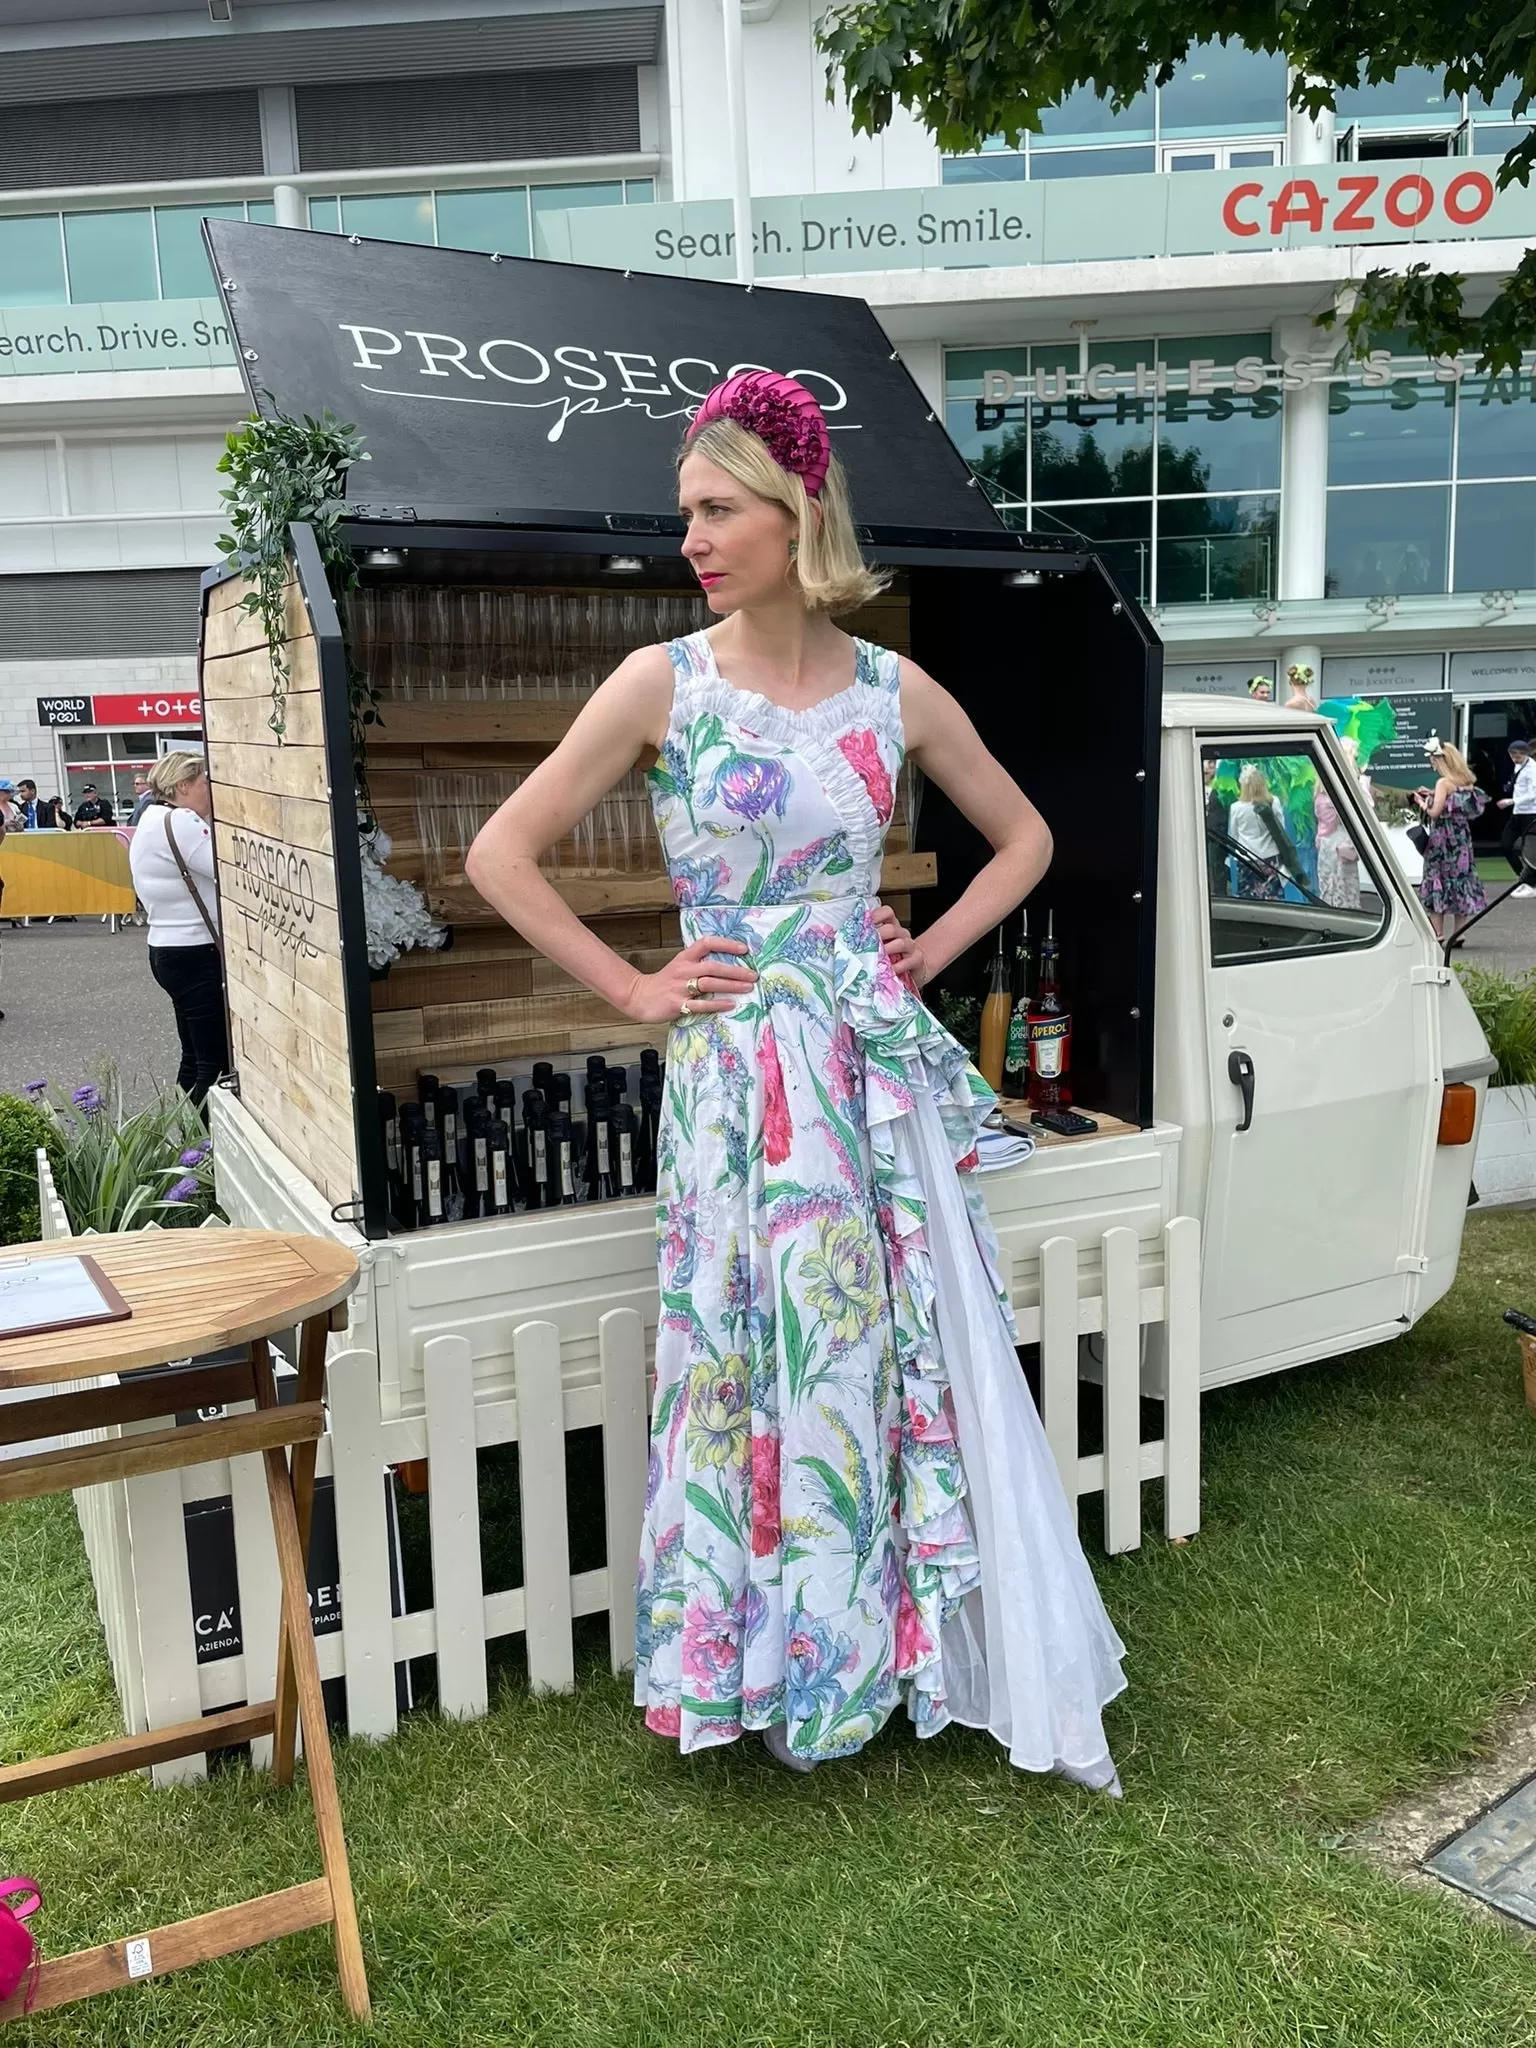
273 844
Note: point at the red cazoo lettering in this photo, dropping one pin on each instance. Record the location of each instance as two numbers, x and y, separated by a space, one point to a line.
1407 202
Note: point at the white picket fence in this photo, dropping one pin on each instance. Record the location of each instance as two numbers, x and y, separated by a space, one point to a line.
1111 1317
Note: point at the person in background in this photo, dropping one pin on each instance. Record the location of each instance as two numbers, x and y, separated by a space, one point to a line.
179 895
1257 828
61 817
1519 799
10 808
1449 888
39 813
1299 676
93 809
143 797
1217 831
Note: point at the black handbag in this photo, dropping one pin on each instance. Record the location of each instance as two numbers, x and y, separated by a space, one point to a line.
1418 839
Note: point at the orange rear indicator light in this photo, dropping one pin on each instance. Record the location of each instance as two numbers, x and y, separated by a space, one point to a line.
1458 1113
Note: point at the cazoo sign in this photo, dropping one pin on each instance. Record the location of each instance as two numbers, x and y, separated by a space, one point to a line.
1357 203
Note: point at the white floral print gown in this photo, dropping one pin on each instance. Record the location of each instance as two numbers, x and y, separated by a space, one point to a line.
851 1502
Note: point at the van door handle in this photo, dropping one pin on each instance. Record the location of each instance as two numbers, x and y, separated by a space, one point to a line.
1240 1074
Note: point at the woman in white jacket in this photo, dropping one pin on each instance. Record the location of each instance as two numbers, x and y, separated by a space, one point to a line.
183 906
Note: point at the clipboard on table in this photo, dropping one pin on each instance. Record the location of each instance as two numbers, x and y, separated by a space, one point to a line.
64 1292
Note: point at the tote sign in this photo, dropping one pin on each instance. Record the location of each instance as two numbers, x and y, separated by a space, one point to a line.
512 389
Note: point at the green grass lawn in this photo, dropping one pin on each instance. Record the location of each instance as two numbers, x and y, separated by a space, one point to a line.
1356 1610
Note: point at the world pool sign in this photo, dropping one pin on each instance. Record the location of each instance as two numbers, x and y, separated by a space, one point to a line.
1069 220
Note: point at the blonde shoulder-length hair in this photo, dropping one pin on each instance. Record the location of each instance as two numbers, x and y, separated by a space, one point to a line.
828 565
1455 767
171 771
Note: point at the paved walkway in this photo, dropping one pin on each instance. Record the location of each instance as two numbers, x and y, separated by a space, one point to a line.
75 995
1505 940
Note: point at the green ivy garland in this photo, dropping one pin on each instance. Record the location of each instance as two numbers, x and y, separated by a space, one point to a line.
283 470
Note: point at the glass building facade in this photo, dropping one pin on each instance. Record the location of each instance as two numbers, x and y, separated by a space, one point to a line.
499 219
1431 485
156 252
1225 109
1178 490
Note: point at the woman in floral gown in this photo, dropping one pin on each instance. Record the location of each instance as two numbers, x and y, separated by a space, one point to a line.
851 1505
1449 888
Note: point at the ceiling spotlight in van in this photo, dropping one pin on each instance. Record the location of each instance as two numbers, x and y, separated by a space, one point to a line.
623 565
1024 579
385 558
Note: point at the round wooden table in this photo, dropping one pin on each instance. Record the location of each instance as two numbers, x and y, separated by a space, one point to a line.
192 1292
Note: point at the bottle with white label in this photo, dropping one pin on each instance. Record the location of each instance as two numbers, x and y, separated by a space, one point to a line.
477 1152
432 1208
622 1121
535 1156
499 1149
563 1172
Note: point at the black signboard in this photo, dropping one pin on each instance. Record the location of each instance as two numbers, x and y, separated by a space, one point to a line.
64 711
508 390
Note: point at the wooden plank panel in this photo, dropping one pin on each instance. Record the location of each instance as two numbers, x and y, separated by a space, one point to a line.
323 1100
230 629
245 721
458 902
283 771
451 1023
445 979
326 1167
248 672
311 1032
393 1030
431 724
297 820
287 881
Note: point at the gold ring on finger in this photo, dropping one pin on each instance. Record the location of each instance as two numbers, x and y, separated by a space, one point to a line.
687 1008
693 985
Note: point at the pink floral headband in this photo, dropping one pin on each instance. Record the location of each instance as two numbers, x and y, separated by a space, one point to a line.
784 416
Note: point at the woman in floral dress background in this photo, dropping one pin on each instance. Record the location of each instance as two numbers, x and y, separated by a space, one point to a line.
1450 889
851 1502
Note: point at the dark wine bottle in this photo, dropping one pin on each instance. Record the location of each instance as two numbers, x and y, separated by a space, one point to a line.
603 1185
389 1131
597 1117
433 1207
485 1081
542 1077
427 1086
650 1124
503 1181
535 1161
477 1160
562 1161
623 1122
410 1188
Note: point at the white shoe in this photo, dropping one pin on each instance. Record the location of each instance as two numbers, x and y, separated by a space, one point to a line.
1523 889
776 1742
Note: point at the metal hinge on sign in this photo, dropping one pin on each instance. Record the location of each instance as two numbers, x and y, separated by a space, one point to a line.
1412 1262
1433 977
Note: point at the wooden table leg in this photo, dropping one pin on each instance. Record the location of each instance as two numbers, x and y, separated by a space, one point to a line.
312 1345
319 1765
